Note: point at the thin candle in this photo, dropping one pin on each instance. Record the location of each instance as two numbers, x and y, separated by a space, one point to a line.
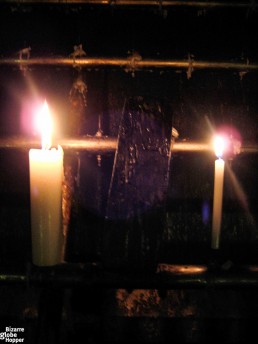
219 146
46 174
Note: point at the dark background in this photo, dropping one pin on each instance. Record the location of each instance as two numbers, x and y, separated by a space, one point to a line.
218 97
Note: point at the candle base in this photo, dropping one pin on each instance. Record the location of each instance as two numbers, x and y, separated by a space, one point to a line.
47 260
46 176
217 203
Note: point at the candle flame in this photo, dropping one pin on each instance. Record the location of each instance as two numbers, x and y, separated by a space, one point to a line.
219 146
46 126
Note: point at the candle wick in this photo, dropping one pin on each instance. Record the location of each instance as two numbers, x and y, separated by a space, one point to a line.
46 146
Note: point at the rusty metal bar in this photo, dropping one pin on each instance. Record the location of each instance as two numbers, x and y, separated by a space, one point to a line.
191 147
165 3
105 144
174 277
127 62
99 145
91 144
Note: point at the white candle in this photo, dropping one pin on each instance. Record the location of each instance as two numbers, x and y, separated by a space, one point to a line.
218 192
46 175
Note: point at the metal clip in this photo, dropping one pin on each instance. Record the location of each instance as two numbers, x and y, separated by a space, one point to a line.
78 51
79 87
24 54
132 61
242 73
190 66
99 134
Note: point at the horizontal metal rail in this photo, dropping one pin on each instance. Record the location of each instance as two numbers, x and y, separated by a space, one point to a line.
172 277
165 3
107 144
94 144
127 62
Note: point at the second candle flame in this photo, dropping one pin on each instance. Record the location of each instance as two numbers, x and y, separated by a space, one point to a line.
219 146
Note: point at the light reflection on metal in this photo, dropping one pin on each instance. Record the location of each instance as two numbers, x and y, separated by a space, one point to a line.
185 146
182 269
70 275
89 143
107 144
155 3
124 62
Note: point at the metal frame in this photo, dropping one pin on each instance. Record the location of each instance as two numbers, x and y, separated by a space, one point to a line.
165 3
130 62
170 277
105 144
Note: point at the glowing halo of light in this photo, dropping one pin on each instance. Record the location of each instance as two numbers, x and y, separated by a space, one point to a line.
231 139
30 107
